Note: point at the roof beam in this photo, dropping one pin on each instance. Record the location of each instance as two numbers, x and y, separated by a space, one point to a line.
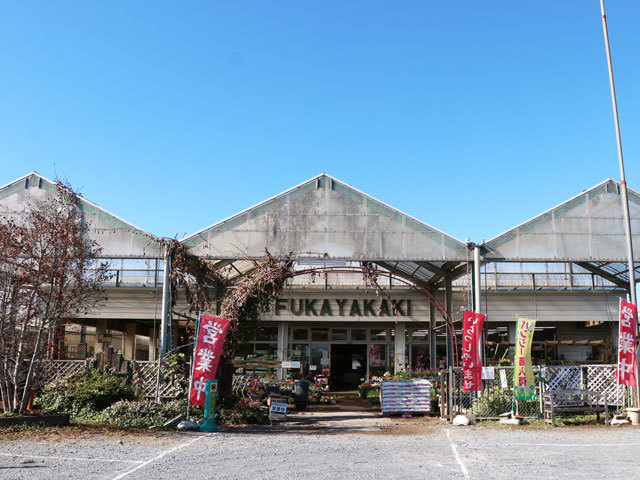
402 274
432 268
456 270
604 274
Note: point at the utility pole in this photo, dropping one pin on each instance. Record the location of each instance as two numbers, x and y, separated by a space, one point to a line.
623 190
623 182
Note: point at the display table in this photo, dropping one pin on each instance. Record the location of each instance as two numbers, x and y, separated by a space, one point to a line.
409 396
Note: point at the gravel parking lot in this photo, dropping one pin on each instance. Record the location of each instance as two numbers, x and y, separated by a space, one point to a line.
388 450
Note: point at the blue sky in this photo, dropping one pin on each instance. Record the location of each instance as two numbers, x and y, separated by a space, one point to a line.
471 116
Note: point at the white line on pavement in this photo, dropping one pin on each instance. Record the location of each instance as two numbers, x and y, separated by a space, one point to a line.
455 452
567 444
158 457
86 459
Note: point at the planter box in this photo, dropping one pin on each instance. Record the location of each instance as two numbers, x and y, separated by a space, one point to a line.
53 420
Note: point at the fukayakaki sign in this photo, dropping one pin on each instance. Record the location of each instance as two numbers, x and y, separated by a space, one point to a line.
342 307
524 383
626 371
209 340
472 324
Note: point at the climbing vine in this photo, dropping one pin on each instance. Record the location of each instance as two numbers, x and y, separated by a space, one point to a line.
243 300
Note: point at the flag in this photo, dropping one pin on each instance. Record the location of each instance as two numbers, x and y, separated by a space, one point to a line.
524 383
628 321
210 337
472 324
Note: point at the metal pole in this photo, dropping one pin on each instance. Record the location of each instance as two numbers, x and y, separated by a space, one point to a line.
166 302
623 182
166 313
449 307
192 364
477 304
623 190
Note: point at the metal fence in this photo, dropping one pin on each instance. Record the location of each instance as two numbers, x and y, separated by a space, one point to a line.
496 396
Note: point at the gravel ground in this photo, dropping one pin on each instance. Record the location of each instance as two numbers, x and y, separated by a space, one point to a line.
408 450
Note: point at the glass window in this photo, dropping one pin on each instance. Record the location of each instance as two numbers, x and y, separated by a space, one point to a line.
269 334
378 334
359 334
419 356
300 352
300 334
338 334
418 336
319 357
377 360
266 348
319 334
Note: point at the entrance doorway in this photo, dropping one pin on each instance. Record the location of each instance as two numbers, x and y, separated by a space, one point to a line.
348 366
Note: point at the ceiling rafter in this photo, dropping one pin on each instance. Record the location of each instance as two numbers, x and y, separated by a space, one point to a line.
604 274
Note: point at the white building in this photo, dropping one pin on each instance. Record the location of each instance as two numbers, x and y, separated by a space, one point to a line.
565 267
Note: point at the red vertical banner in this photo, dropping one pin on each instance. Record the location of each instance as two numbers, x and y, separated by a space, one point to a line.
626 371
209 340
471 335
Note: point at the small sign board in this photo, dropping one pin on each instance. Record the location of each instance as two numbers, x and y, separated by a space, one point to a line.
289 364
312 368
278 411
503 379
488 373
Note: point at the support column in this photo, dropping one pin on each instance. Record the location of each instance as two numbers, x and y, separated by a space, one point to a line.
101 331
153 346
433 345
129 341
449 306
283 345
166 303
400 345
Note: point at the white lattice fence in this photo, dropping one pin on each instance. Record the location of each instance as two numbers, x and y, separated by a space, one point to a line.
52 370
145 377
563 377
602 379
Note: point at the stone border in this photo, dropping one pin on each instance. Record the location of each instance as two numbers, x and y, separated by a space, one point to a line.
50 420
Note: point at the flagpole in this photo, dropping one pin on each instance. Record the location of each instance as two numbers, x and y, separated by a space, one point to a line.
193 359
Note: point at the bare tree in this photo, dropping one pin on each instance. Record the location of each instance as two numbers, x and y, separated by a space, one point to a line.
48 275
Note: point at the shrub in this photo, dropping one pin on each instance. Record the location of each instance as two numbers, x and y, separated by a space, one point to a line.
142 413
492 403
373 396
83 395
245 412
363 389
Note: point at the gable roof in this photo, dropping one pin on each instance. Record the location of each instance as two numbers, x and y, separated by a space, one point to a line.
117 237
325 218
588 227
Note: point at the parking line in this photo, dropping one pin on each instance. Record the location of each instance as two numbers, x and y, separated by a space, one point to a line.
455 453
567 444
158 457
85 459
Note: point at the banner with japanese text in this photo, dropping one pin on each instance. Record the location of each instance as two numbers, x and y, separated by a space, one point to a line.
626 371
524 382
209 340
472 324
